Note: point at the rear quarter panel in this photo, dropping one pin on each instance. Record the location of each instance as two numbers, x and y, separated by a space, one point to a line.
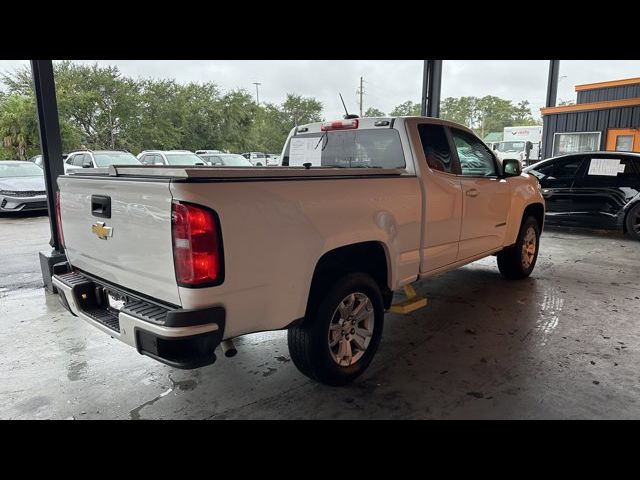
274 233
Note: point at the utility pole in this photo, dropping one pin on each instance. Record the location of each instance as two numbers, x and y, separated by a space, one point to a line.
257 84
360 91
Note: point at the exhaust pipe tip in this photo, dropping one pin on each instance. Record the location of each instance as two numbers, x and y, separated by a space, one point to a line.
228 348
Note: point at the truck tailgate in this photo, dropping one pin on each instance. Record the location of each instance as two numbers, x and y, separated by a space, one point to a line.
137 253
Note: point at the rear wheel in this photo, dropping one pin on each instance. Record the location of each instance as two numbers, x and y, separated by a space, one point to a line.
633 222
339 339
518 261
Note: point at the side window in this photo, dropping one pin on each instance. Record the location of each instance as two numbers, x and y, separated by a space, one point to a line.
69 160
609 171
436 148
475 158
215 160
78 159
559 173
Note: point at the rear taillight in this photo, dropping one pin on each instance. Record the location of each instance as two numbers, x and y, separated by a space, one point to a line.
59 220
339 125
197 245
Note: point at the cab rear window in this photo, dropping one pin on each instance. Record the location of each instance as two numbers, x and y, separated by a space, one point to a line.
346 149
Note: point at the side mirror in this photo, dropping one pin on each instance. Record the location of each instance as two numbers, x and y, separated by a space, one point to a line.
511 168
87 163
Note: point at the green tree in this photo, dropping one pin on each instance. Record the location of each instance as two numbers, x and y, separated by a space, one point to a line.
486 114
202 109
238 110
374 112
99 102
302 110
523 115
461 110
160 118
406 109
102 109
18 127
269 130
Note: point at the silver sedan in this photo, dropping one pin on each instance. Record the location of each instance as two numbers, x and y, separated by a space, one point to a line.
21 187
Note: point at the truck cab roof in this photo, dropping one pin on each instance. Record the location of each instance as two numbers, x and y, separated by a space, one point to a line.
371 123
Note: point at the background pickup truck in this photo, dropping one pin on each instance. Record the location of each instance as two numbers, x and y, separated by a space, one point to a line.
176 260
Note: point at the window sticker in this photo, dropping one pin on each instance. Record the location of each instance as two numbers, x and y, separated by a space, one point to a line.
609 167
303 150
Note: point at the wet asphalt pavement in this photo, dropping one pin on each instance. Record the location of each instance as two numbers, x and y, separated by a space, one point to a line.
564 343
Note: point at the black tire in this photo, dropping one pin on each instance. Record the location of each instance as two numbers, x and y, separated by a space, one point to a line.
633 222
309 342
512 262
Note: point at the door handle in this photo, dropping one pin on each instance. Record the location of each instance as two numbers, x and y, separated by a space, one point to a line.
472 193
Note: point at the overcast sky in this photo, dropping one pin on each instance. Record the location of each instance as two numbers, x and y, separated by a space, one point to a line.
387 82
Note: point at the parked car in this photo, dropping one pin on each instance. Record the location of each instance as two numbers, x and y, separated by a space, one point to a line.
226 160
273 159
365 207
170 157
21 187
38 159
98 159
256 158
592 189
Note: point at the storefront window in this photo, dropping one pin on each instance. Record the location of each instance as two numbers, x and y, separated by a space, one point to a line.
564 143
624 143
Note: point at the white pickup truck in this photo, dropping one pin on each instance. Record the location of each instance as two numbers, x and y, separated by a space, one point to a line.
175 261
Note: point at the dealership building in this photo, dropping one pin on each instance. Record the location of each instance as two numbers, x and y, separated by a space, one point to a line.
606 116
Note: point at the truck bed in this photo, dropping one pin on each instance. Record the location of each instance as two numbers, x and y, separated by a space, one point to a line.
212 173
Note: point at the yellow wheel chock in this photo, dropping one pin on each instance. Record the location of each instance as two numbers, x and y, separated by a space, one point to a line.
411 304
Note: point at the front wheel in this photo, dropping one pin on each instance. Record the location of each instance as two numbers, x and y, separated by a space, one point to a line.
338 340
517 262
633 222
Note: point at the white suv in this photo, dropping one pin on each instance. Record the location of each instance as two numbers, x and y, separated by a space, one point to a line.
98 159
170 157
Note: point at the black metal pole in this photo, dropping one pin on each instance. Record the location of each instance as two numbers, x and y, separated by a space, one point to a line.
435 87
552 83
50 142
431 88
52 164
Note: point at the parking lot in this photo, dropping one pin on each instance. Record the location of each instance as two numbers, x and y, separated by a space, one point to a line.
563 343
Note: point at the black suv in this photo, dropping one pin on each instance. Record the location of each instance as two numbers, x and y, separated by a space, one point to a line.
592 189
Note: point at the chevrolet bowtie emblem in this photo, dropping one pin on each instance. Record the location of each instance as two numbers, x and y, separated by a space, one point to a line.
101 230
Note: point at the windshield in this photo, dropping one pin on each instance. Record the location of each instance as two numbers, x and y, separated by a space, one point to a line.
20 170
235 161
346 149
511 146
184 159
115 158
